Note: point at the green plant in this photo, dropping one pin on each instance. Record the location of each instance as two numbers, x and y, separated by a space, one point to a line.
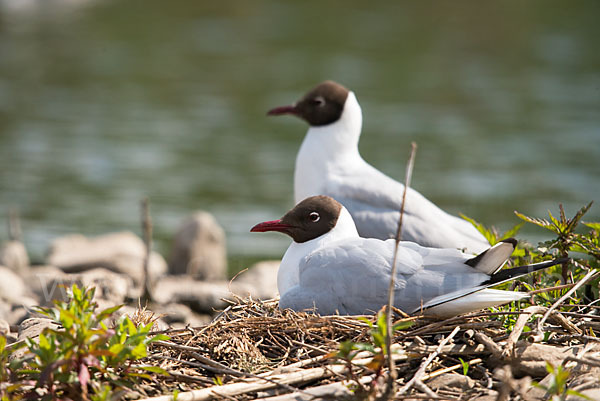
557 388
9 371
574 238
84 354
491 234
348 350
567 239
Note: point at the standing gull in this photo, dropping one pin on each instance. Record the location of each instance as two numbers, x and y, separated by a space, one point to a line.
330 269
329 163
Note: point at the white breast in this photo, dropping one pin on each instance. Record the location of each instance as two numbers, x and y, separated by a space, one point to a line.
327 151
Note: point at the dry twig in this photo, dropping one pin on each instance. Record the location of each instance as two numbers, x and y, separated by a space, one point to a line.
538 336
417 377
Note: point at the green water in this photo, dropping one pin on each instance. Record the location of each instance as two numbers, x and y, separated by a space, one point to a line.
103 103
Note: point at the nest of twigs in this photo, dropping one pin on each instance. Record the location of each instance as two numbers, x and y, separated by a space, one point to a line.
254 350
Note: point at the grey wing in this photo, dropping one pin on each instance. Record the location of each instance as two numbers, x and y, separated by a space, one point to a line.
373 199
352 278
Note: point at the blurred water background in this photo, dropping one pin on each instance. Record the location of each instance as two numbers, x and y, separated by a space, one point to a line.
103 103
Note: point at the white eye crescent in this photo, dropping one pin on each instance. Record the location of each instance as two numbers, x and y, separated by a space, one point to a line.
314 217
319 101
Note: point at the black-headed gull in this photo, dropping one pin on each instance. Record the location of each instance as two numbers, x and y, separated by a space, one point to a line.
329 163
330 269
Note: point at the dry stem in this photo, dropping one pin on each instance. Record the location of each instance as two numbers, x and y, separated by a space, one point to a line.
147 230
388 342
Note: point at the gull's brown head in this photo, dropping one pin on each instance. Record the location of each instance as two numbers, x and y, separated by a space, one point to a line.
322 105
308 220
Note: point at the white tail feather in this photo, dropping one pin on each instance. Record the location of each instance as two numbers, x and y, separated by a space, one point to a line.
478 300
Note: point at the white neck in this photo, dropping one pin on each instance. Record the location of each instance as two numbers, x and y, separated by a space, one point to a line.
288 274
326 147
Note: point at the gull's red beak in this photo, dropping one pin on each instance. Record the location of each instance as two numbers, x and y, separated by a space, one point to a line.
277 111
273 225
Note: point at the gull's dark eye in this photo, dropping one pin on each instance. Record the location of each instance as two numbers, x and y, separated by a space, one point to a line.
318 101
314 217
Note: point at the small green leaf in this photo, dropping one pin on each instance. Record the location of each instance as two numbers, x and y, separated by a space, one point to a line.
364 347
67 318
43 342
593 226
154 369
130 326
116 348
378 339
139 351
575 220
465 366
511 232
107 312
561 225
159 337
367 321
403 325
549 367
538 222
142 375
547 336
578 394
76 292
382 323
489 235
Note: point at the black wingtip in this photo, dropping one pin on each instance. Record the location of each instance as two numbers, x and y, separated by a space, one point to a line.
512 241
560 261
473 262
515 272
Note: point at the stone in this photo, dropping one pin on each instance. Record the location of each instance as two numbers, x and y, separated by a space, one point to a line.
12 287
201 296
51 284
492 395
21 312
179 315
333 391
14 256
4 327
260 279
44 280
532 358
451 380
121 252
32 327
199 248
17 311
584 376
5 310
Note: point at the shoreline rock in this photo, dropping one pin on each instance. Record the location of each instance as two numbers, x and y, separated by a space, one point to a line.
199 248
14 256
121 252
